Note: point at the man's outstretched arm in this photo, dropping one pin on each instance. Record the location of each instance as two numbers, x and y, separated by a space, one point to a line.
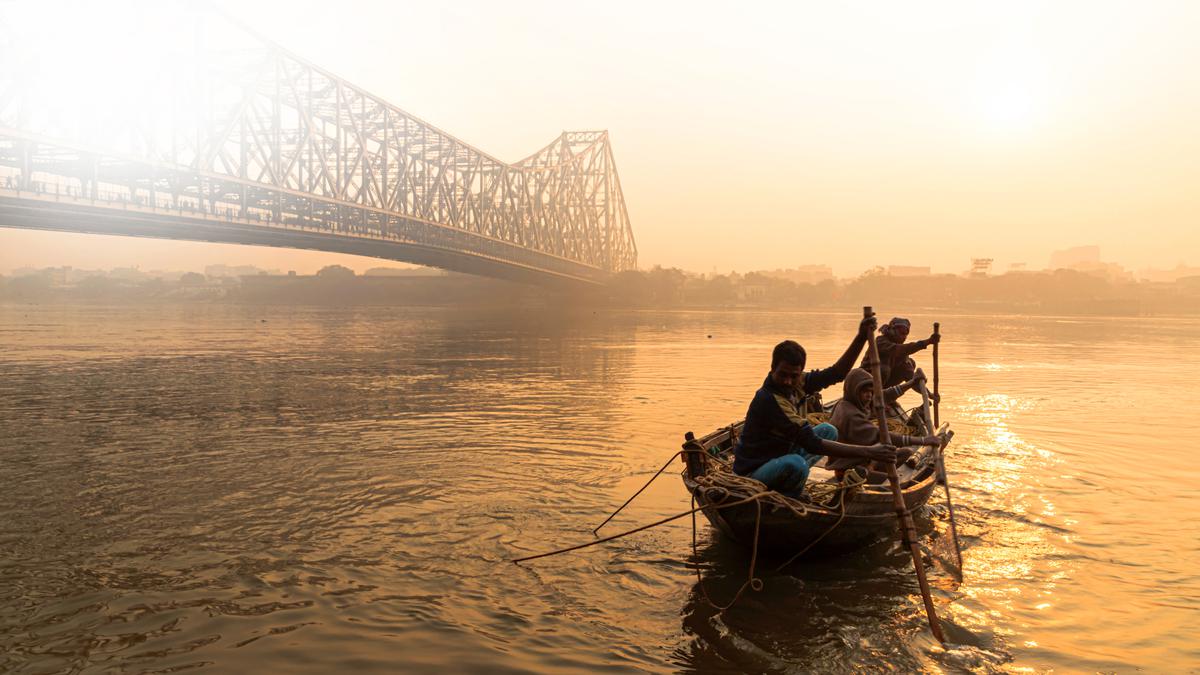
802 434
878 452
827 377
910 348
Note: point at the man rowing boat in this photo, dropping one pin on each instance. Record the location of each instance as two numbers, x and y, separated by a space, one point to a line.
895 364
778 446
853 418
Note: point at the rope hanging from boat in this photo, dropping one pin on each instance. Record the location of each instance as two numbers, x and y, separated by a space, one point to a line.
652 479
719 484
751 580
823 493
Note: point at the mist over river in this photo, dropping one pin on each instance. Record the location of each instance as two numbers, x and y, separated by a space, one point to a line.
319 489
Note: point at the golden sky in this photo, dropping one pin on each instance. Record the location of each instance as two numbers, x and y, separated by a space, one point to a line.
766 135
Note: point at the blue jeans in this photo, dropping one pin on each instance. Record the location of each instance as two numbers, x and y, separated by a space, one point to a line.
789 473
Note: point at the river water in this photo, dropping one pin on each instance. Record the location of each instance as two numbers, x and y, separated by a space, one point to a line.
315 489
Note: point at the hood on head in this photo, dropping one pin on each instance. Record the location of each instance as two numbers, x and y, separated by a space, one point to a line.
855 380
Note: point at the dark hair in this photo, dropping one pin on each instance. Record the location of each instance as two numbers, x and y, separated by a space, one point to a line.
790 351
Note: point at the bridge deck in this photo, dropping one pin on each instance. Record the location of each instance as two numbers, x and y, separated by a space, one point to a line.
67 213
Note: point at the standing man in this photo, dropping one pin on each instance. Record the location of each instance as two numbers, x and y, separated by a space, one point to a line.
895 366
778 446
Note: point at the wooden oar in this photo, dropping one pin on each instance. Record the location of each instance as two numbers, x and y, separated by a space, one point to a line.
941 469
937 399
908 531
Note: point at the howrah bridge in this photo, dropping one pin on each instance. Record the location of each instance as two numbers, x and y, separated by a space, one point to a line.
188 125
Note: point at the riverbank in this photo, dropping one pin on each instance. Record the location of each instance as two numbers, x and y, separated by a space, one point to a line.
1058 293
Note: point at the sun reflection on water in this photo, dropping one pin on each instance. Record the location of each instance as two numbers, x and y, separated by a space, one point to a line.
1015 524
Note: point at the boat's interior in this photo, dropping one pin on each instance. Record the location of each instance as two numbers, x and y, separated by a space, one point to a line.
918 467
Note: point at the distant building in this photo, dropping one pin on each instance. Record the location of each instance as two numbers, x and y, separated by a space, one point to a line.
165 275
1168 276
1087 259
58 276
235 271
74 276
127 274
981 267
750 292
1110 271
804 274
1075 258
907 271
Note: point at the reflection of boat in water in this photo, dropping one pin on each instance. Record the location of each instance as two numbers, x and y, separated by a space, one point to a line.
807 616
831 516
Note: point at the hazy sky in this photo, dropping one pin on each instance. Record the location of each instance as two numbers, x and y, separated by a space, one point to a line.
757 136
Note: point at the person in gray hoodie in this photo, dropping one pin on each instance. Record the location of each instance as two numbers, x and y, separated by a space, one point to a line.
852 417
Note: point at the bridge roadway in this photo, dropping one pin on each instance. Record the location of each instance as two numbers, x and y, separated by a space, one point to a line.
59 206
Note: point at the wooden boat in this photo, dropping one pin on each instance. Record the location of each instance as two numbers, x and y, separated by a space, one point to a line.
787 526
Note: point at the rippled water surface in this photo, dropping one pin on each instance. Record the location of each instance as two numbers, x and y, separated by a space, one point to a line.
320 490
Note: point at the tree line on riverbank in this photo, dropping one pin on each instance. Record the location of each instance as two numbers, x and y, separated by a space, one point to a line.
1050 292
1056 292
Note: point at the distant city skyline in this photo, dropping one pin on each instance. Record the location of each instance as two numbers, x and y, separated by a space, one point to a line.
35 249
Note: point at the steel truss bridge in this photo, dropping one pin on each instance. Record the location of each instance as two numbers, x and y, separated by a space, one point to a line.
205 131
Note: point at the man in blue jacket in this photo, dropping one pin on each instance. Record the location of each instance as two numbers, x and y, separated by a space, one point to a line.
778 446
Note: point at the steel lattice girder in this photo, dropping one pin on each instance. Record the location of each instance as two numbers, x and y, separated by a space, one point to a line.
239 124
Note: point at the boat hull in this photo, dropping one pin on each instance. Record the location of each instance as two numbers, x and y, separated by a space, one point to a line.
780 531
869 514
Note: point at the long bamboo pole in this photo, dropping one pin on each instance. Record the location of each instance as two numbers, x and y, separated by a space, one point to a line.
937 398
908 531
945 480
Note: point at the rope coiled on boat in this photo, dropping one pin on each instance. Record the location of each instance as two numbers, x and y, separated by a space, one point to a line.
895 425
